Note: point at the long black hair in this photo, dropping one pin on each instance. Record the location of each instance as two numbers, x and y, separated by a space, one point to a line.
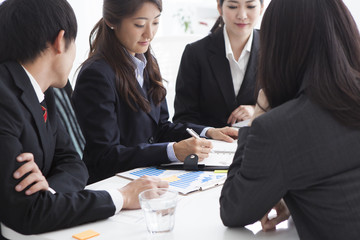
314 43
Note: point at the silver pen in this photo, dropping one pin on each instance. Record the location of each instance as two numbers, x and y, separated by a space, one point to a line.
193 133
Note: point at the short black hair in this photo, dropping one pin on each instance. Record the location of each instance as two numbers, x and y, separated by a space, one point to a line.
27 26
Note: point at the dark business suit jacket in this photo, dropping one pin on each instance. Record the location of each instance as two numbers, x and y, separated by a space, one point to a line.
22 129
117 137
298 152
204 86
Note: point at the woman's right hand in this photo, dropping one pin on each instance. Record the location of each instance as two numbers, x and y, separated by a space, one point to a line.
282 214
200 147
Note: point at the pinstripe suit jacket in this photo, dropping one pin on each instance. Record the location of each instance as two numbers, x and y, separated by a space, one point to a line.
300 153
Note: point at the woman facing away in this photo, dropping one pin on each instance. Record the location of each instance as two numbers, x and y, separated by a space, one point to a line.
217 74
303 145
119 97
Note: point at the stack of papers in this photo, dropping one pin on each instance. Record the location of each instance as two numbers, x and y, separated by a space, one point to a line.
222 155
223 147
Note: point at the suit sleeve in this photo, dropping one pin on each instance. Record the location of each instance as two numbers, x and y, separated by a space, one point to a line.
187 100
68 172
255 180
41 211
173 132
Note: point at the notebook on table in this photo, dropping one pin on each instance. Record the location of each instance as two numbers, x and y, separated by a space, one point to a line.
220 158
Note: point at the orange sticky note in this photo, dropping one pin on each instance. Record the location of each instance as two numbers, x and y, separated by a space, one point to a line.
86 235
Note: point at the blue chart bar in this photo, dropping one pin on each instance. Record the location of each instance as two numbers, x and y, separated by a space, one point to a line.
186 179
148 172
206 179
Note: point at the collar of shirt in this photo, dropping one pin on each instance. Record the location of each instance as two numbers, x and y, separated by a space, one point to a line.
40 95
228 50
140 62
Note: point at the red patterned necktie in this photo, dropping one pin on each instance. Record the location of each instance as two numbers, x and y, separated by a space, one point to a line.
44 113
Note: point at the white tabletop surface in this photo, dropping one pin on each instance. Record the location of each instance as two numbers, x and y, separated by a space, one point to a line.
197 217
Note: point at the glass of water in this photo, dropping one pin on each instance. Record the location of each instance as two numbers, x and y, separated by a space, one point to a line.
159 206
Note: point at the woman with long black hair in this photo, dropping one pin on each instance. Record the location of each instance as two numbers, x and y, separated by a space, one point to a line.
303 145
119 97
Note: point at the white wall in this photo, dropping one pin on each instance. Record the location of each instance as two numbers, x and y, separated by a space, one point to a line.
198 10
170 40
354 7
87 16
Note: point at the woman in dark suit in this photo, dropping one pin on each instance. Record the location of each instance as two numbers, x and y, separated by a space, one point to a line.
119 97
216 79
304 147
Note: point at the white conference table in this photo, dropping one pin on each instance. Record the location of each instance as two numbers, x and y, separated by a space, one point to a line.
197 217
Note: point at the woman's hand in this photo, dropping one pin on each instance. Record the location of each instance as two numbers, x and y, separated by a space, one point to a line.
282 215
227 134
200 147
35 177
261 106
243 112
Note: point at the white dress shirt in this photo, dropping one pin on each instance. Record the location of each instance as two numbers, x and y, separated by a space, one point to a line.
238 66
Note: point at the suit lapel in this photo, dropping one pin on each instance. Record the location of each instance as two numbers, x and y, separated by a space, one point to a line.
31 102
251 70
154 113
221 68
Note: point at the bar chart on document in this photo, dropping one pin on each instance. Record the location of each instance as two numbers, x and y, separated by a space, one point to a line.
182 181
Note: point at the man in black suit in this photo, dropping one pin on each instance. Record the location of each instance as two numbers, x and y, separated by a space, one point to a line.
42 178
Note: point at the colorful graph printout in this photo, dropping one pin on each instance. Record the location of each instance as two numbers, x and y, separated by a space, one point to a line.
181 181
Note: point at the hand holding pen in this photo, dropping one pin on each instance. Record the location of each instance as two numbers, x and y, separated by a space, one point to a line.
195 135
196 145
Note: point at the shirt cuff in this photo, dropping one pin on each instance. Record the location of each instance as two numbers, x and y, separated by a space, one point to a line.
51 190
203 132
171 153
117 199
